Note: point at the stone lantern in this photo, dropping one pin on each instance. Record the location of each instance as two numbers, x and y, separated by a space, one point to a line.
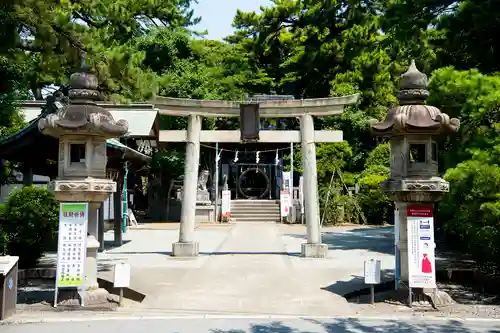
413 128
82 128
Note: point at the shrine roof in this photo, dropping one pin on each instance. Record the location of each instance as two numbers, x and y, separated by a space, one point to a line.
141 117
41 151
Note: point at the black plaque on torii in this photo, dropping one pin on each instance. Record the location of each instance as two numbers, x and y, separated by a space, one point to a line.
250 117
249 122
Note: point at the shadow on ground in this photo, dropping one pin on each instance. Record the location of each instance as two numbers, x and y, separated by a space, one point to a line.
356 286
352 325
376 239
215 253
109 245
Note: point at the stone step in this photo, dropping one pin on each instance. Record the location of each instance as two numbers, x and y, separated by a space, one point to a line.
256 206
255 211
256 200
253 205
254 219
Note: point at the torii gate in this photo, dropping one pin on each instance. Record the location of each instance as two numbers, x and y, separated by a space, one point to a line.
303 109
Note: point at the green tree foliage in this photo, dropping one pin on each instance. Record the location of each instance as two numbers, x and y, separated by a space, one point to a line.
470 211
48 38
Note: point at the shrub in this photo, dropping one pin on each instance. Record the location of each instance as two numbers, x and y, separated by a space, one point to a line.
31 217
376 206
471 212
380 156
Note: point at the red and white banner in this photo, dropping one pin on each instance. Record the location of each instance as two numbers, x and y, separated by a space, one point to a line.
285 195
421 247
226 204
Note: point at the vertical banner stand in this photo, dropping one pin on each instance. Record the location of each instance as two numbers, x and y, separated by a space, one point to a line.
71 248
421 248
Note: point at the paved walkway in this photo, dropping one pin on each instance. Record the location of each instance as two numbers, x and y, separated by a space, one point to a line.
248 269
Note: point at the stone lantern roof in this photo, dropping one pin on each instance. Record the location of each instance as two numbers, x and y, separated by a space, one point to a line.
82 115
412 116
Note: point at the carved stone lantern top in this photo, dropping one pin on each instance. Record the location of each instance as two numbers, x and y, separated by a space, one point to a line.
82 128
412 116
82 115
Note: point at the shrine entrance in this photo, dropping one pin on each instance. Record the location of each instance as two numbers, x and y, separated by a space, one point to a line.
250 113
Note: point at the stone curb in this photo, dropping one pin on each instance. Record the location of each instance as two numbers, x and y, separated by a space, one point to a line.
131 317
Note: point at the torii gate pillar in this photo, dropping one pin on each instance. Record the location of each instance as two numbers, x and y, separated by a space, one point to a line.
313 248
187 246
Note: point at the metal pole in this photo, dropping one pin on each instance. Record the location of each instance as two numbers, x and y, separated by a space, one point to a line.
120 300
397 227
372 294
117 211
100 227
291 167
125 198
216 211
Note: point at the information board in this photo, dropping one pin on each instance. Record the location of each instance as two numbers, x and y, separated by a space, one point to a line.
421 246
71 249
121 275
372 271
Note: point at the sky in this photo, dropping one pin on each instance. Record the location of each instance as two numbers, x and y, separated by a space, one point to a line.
217 15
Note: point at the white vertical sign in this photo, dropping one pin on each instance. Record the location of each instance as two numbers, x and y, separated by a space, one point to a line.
226 204
121 275
285 197
372 271
421 245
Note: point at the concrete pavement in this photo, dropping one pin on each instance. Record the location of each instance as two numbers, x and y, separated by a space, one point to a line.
244 269
262 325
248 269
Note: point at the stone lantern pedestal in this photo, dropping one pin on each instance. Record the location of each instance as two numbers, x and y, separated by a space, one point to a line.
82 128
413 129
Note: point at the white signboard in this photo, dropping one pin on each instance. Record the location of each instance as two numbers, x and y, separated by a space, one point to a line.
226 204
372 271
71 250
421 260
285 203
121 276
285 194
